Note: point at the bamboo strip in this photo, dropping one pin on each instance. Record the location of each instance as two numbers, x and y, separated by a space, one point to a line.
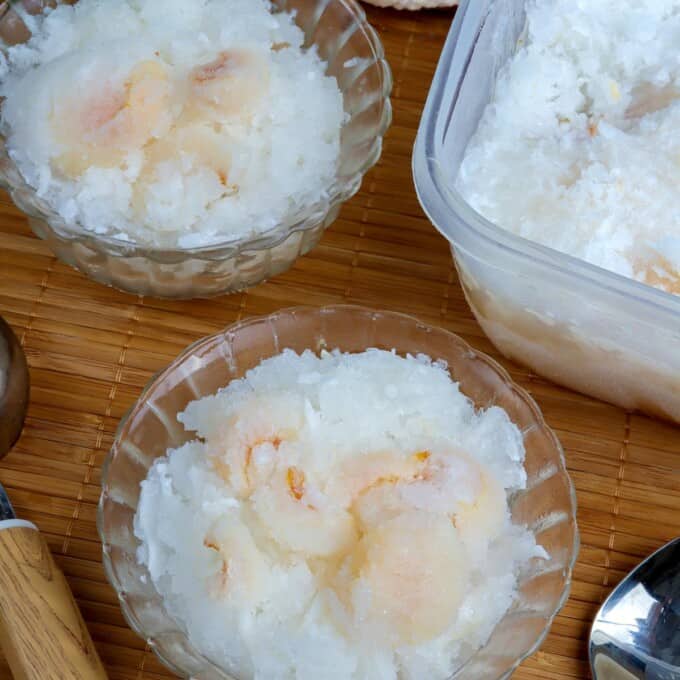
381 252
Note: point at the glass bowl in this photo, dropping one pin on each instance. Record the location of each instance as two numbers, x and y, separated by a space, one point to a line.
577 324
547 506
355 56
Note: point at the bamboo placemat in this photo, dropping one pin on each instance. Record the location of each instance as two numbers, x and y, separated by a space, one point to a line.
91 349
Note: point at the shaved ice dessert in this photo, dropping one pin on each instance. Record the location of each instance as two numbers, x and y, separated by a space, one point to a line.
339 516
171 123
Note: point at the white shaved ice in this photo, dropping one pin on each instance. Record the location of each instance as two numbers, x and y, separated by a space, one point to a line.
342 516
171 122
579 149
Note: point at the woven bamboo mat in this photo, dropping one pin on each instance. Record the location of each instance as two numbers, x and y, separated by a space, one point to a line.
91 349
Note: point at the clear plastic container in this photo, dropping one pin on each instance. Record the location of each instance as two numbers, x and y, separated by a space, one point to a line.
577 324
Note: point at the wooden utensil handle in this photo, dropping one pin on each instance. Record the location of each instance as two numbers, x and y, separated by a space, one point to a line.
42 631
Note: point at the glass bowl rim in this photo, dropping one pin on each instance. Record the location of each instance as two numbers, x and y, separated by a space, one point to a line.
237 326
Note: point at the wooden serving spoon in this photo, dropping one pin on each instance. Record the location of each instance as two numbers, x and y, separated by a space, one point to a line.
42 632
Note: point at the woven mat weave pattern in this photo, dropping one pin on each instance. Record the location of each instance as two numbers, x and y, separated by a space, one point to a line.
91 349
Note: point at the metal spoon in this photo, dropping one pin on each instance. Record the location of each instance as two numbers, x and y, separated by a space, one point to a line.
13 388
42 632
636 633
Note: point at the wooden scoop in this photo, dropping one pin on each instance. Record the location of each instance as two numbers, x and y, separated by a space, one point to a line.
42 632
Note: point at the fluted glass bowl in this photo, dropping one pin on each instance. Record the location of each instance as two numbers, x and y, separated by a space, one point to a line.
547 506
355 56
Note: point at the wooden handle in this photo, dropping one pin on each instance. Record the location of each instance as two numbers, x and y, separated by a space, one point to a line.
43 634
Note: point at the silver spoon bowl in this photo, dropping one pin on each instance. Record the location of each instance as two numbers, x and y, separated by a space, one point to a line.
14 388
636 633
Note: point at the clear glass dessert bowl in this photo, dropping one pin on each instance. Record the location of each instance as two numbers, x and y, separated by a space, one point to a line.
355 56
547 506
